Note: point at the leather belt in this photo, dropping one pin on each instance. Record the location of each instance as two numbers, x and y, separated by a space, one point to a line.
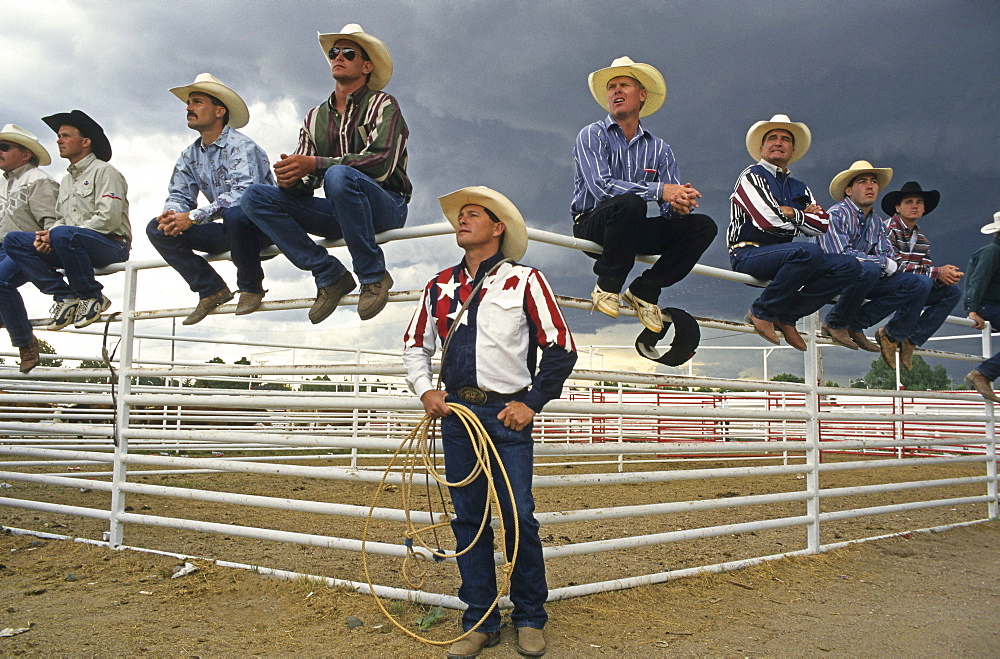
477 396
743 244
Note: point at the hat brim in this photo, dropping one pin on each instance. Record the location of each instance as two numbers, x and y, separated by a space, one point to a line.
992 227
931 199
800 133
239 114
515 241
31 145
100 146
839 183
648 77
377 52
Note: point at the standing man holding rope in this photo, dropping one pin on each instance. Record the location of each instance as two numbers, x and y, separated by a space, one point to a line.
488 364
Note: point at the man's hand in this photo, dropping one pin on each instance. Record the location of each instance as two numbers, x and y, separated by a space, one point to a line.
949 275
516 415
291 169
434 405
682 198
977 319
173 223
42 243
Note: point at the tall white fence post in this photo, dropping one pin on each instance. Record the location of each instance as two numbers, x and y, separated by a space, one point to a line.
116 530
812 371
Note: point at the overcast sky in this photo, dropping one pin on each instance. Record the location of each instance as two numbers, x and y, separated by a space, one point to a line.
494 94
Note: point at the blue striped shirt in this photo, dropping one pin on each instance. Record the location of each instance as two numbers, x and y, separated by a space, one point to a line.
852 233
609 166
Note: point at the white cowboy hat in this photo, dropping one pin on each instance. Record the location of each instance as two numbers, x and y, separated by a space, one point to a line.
840 182
648 77
377 52
21 137
800 133
989 228
206 83
515 236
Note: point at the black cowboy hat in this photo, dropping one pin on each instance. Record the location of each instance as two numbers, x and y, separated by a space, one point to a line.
88 128
910 189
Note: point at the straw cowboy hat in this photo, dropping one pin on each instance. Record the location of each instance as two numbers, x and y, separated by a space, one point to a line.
800 134
515 236
648 77
18 135
206 83
910 189
100 146
994 226
377 52
840 182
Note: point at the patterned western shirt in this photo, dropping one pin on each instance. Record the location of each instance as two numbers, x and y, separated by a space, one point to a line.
222 171
754 212
27 200
93 195
371 137
852 232
495 344
607 165
912 250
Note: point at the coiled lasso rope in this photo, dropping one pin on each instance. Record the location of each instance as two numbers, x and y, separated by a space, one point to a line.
417 450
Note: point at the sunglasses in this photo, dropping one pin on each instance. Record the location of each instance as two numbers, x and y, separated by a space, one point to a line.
6 146
348 53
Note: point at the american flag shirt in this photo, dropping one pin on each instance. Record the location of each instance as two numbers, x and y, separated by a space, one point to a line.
495 344
755 214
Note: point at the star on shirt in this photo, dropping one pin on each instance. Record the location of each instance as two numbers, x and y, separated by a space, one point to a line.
464 320
510 283
447 289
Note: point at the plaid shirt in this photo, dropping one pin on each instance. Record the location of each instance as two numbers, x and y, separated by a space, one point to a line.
915 258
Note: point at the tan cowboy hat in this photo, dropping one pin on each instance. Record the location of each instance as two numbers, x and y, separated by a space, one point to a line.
377 52
839 183
800 133
206 83
648 77
515 236
21 137
994 226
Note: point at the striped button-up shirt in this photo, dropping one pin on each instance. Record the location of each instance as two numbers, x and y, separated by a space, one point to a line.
913 250
608 165
222 171
371 137
852 232
755 214
495 344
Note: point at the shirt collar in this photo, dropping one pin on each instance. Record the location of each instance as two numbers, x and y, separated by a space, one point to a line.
220 141
609 121
485 266
357 96
15 174
774 169
857 211
897 221
81 165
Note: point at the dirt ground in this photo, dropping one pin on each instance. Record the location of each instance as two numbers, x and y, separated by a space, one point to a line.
928 594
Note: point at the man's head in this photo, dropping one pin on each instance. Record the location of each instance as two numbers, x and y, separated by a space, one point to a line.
209 101
645 79
861 182
482 216
910 202
626 96
352 53
78 135
18 147
780 141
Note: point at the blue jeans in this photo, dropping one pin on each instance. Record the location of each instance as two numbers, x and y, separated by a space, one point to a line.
234 234
12 311
528 590
902 293
803 278
991 367
940 301
355 209
74 249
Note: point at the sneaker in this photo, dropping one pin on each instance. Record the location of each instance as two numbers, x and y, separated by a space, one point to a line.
207 304
530 642
764 328
862 341
90 309
887 347
63 313
649 314
249 302
982 384
605 302
328 297
906 349
473 644
29 356
839 335
373 297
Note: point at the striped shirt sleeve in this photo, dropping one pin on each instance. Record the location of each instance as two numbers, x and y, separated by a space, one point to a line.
419 344
754 197
552 334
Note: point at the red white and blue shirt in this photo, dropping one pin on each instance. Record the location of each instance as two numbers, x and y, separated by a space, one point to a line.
495 345
755 207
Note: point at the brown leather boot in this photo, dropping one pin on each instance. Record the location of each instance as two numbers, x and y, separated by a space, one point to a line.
792 336
887 347
982 384
839 335
862 341
29 355
530 642
473 644
764 328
